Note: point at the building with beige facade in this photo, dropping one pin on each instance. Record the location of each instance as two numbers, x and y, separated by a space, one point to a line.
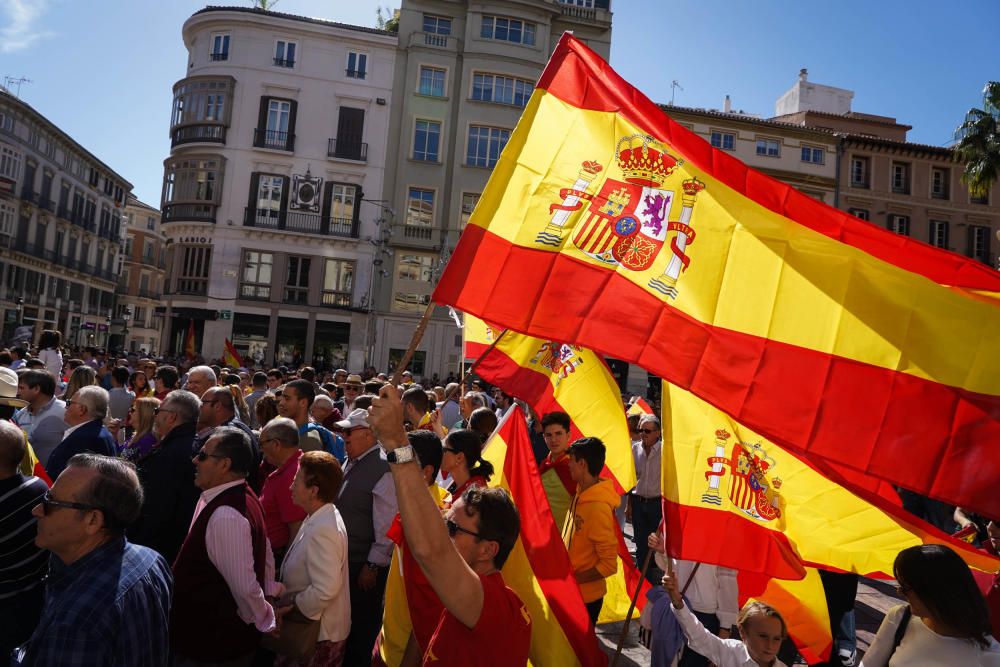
278 135
61 231
463 75
140 284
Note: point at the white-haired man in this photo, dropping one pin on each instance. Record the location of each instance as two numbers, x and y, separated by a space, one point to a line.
85 431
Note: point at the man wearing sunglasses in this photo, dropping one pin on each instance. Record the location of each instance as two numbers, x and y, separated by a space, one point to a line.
643 509
225 569
107 601
461 556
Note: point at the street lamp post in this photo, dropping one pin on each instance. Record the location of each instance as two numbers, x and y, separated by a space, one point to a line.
107 332
126 316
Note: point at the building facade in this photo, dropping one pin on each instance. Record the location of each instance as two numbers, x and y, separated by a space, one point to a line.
464 73
278 151
140 284
61 232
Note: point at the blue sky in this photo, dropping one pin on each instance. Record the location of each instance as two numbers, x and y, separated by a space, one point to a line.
102 70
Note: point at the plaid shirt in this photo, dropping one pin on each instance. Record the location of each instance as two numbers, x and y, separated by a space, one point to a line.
110 607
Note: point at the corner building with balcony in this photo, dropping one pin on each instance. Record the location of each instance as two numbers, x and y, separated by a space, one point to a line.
464 73
61 232
277 139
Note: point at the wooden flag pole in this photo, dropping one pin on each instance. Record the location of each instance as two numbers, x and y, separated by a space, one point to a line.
631 607
415 339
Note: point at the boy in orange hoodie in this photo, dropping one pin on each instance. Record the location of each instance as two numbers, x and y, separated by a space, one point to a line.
589 533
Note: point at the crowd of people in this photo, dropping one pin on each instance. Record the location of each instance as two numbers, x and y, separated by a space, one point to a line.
156 513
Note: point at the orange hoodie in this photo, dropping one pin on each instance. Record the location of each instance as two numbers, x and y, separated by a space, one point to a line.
590 536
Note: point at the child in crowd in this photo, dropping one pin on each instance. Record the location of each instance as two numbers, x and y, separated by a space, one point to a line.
761 628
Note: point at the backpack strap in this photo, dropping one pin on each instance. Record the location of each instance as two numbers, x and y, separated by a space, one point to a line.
904 621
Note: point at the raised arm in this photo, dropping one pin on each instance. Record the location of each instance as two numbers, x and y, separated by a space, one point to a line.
456 585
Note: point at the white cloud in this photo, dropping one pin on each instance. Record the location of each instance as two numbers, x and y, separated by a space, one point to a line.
20 29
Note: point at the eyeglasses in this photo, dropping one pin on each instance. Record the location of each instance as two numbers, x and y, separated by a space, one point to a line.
157 410
203 455
647 431
48 504
451 450
454 529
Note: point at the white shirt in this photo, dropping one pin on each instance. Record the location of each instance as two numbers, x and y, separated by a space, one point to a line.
230 548
315 569
922 647
647 469
713 590
722 652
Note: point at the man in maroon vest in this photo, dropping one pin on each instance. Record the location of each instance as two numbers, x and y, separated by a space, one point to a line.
220 609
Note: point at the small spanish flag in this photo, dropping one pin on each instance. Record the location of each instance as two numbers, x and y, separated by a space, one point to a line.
189 348
640 407
230 357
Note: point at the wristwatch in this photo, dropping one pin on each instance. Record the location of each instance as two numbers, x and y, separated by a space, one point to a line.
401 455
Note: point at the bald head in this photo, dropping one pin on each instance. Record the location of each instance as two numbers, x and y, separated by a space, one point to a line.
12 448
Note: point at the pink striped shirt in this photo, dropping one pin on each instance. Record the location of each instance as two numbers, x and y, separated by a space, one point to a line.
230 548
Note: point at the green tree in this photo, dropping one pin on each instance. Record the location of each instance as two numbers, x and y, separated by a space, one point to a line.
266 5
387 19
979 143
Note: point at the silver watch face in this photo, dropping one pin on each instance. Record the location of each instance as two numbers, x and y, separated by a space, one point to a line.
403 454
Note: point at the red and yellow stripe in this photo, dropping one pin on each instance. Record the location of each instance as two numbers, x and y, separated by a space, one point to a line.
826 334
538 568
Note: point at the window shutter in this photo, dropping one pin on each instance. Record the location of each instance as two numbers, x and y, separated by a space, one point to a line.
327 199
252 197
286 184
293 111
262 116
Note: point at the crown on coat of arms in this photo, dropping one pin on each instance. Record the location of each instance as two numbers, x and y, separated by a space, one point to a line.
644 160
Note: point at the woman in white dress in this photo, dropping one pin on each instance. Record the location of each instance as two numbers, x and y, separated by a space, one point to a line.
946 621
314 570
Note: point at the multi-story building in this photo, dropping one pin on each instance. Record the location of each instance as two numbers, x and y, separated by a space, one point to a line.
140 285
60 229
464 73
907 188
277 147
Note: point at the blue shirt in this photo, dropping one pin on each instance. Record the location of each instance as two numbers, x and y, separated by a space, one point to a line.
111 607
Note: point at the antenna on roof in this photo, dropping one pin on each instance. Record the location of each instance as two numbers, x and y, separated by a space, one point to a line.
674 85
10 81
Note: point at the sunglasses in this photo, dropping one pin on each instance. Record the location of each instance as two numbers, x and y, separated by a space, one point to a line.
451 450
348 431
647 431
202 455
48 504
157 410
903 590
454 529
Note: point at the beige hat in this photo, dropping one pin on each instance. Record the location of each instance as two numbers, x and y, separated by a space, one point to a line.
354 380
8 389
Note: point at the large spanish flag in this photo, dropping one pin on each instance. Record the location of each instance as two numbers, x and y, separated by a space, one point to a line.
802 603
608 225
734 498
538 568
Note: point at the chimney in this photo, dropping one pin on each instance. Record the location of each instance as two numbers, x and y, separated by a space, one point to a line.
803 75
727 105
